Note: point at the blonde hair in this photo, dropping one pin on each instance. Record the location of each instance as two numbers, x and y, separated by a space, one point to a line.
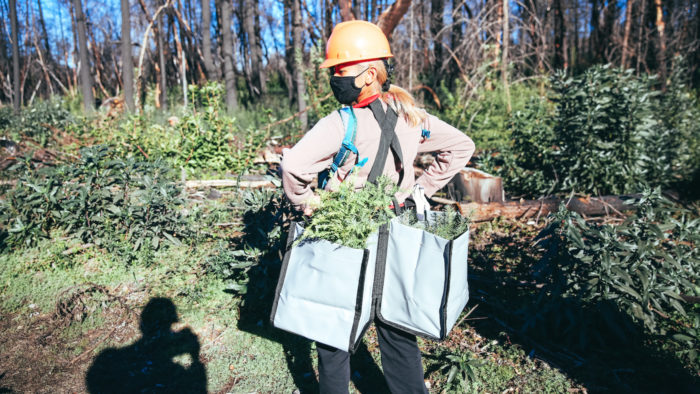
399 99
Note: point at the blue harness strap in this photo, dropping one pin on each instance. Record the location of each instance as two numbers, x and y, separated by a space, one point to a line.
347 115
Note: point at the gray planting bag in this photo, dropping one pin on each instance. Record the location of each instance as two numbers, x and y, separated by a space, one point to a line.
324 291
422 282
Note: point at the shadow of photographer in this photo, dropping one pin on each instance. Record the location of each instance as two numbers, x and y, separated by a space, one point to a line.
151 363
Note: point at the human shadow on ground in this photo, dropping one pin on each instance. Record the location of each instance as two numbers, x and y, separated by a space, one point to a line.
150 365
4 389
266 229
595 344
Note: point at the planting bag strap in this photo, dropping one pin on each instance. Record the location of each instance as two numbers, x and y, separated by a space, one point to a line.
347 115
387 122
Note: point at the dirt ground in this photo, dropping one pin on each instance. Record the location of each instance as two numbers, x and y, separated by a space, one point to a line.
37 357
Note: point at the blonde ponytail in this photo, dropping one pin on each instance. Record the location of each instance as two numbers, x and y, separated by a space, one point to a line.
399 99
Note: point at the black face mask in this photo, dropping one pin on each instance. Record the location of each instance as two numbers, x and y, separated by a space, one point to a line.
344 88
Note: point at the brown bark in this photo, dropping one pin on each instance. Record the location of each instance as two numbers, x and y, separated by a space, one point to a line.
437 11
228 54
127 62
206 40
298 62
85 77
15 56
661 50
45 36
346 10
506 47
560 51
390 18
163 80
182 62
626 37
526 209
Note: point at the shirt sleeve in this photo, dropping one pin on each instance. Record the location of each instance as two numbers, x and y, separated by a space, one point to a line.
311 155
454 150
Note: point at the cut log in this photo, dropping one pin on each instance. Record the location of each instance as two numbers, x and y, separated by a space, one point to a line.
481 187
525 209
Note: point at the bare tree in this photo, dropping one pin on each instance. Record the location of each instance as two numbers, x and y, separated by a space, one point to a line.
85 76
628 28
162 31
661 50
228 53
127 63
15 55
298 63
206 40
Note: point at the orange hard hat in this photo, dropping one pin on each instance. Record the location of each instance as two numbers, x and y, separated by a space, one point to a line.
355 41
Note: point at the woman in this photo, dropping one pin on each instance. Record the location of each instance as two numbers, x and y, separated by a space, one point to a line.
357 54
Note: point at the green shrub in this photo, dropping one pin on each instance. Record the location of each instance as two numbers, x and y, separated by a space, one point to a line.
636 272
32 122
483 113
100 199
265 221
610 133
202 140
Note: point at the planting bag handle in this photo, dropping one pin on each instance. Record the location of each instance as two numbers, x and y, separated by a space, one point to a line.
388 140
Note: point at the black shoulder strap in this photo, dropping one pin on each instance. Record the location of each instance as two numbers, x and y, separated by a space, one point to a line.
387 123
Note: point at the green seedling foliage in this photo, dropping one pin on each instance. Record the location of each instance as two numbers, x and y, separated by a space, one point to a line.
349 216
606 131
99 199
640 268
449 225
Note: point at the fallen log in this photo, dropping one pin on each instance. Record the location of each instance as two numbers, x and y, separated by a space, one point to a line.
526 209
247 182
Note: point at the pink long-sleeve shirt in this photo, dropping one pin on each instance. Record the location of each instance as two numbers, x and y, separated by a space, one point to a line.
315 151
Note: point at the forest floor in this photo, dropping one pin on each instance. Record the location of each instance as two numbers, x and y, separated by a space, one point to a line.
81 323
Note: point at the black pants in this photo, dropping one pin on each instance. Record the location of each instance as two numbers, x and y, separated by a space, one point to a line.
401 362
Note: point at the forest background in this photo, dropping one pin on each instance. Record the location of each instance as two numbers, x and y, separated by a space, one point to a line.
115 115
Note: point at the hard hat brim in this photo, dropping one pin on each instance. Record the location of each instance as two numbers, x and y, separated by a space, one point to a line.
328 63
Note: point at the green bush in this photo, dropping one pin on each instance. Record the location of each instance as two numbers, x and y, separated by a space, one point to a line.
201 140
635 272
483 113
100 199
32 122
609 133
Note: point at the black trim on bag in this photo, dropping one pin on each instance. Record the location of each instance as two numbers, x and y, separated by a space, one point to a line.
283 271
379 270
443 304
352 346
379 277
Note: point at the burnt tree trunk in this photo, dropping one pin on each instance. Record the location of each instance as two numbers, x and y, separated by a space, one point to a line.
560 51
626 37
163 96
661 50
15 56
228 55
85 77
45 35
298 62
127 63
206 40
